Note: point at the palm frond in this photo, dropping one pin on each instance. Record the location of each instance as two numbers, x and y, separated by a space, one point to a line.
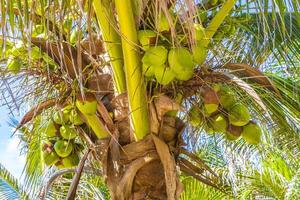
10 187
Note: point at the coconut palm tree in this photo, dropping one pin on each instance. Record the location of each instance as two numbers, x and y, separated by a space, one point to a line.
150 97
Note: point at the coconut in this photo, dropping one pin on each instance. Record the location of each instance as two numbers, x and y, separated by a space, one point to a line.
210 99
50 158
239 115
87 105
180 59
252 133
61 117
49 128
208 129
155 56
233 132
216 87
219 123
185 75
163 74
145 37
195 116
199 53
148 70
63 148
68 132
75 118
70 161
163 24
226 97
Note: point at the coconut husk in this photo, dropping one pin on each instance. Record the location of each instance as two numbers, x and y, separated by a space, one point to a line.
139 171
168 129
209 96
235 130
164 104
101 84
120 105
93 45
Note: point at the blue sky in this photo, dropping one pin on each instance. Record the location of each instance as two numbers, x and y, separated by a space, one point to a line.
10 156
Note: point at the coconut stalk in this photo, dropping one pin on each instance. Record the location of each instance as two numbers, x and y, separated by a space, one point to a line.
112 41
217 21
133 71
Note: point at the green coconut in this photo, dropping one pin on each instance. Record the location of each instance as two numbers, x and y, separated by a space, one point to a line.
239 115
155 56
233 132
148 70
163 74
210 108
163 24
195 116
49 128
145 37
71 161
50 158
185 75
210 99
68 132
75 118
216 87
180 59
219 123
252 133
88 105
199 54
14 65
63 148
227 98
208 129
61 117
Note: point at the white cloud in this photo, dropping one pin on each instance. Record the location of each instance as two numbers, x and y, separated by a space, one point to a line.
10 157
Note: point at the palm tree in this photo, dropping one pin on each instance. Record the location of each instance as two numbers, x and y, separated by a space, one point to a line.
150 95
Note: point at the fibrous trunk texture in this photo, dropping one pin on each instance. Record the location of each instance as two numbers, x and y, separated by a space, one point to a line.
145 169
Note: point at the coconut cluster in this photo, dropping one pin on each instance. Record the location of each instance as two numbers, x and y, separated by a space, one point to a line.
220 112
167 63
60 149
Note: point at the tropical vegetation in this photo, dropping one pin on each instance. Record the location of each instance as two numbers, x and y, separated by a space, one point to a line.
162 99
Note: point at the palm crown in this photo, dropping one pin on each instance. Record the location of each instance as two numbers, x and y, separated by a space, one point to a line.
180 99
